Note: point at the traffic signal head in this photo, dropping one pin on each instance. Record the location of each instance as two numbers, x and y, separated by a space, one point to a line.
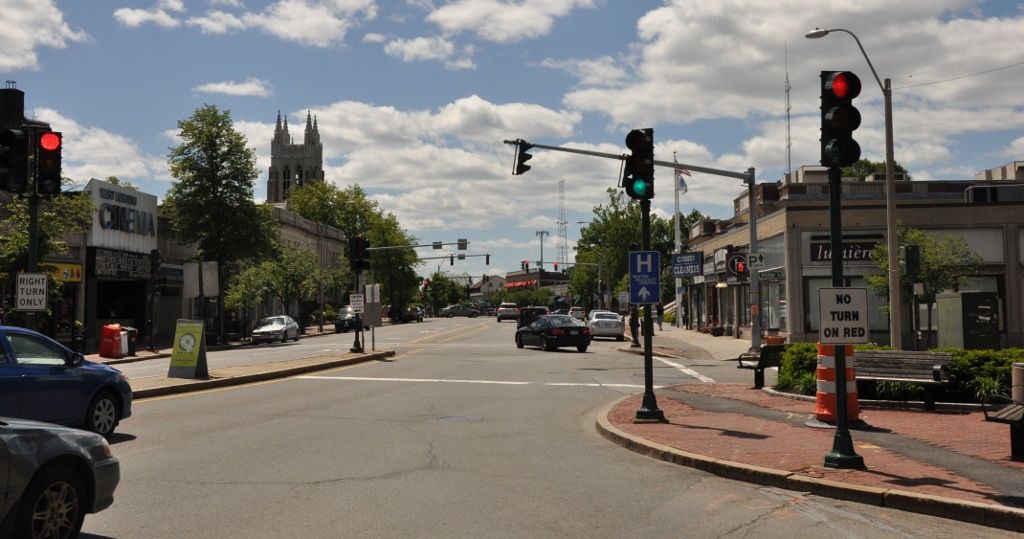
487 260
638 176
13 161
522 157
839 118
48 163
451 260
912 258
556 266
359 257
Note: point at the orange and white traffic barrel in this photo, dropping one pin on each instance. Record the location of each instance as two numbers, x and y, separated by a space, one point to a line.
826 375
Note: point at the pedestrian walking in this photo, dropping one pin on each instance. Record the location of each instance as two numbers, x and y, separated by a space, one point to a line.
660 315
634 325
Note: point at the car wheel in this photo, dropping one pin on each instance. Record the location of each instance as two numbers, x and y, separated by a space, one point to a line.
53 505
582 348
620 338
101 417
546 344
519 342
284 336
336 330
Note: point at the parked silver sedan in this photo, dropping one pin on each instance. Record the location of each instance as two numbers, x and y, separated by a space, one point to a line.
606 324
275 328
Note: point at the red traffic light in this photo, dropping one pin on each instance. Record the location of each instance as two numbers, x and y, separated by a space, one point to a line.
50 141
844 85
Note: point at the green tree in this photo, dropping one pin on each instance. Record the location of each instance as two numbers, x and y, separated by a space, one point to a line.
864 167
351 211
70 213
607 240
211 199
946 263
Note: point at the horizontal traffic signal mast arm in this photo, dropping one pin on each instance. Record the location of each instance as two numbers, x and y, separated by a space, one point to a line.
746 176
457 257
391 247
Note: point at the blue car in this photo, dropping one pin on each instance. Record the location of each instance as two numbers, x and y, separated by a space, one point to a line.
43 380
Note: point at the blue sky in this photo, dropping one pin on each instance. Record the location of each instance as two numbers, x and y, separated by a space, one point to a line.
414 97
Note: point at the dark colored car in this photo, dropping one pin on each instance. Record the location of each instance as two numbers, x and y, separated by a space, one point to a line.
52 477
553 331
529 314
409 314
43 380
459 310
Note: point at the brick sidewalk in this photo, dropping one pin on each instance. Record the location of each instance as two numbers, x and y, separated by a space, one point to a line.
903 450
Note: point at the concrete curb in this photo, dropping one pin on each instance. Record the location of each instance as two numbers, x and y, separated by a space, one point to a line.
215 348
200 385
994 516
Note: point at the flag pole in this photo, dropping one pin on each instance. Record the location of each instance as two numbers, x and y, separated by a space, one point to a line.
679 281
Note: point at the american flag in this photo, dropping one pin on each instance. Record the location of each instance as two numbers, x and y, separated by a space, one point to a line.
680 172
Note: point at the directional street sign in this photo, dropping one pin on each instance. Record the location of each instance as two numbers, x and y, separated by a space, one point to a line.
356 301
756 261
31 292
644 277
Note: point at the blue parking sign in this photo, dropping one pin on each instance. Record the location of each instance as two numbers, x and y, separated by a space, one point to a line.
644 277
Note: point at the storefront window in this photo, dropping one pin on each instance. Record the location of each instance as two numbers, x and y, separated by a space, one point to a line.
773 300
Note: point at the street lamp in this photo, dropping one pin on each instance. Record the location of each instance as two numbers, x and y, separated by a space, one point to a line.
895 306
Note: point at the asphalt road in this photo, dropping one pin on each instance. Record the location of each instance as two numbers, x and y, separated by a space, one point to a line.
461 434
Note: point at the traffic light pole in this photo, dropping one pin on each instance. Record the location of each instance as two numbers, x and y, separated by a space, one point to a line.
649 411
843 454
33 244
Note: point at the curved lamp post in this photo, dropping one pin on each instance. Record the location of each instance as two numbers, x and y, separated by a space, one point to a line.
892 242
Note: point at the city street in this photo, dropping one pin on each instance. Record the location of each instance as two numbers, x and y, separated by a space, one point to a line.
459 434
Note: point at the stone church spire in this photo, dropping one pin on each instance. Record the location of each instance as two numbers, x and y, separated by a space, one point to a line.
308 135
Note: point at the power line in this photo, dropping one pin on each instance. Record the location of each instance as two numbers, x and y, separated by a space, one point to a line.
994 69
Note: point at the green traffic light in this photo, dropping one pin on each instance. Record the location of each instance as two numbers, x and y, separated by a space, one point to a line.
640 187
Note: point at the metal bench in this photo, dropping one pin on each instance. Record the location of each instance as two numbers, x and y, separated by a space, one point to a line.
769 356
1013 415
930 369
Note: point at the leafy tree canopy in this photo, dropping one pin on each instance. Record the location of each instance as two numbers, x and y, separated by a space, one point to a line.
864 167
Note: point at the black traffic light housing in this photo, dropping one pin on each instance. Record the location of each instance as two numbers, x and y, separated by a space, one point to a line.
911 255
522 157
839 118
48 158
638 175
359 257
13 161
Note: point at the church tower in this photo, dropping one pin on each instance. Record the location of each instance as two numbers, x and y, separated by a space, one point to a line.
294 165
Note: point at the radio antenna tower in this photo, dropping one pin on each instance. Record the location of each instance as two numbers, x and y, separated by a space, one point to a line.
563 229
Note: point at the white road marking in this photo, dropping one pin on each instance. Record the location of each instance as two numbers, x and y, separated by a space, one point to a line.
686 370
450 381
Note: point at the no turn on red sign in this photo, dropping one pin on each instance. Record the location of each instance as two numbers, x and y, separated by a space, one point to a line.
843 315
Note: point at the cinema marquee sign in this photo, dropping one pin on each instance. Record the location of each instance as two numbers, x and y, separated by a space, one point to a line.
125 219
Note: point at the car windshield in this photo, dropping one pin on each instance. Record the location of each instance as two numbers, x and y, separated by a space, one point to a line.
272 321
606 316
561 320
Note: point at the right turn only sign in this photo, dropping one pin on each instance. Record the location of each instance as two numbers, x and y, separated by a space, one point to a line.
843 315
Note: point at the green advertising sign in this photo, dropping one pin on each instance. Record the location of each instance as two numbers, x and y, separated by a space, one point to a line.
188 356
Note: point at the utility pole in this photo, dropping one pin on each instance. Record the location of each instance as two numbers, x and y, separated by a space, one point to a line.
541 233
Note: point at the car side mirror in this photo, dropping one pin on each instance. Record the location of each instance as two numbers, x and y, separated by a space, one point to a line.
77 359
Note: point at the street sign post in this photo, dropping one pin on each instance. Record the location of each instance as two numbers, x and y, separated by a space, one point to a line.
356 300
843 317
31 292
645 277
756 261
623 299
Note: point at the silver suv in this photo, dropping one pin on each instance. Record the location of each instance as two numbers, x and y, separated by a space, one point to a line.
508 310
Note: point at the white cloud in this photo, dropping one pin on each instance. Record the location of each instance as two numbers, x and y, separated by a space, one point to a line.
251 86
24 26
420 48
373 37
217 22
133 18
602 71
311 22
228 3
1016 149
503 21
92 152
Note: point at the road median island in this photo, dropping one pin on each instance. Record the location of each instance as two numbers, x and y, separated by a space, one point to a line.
247 374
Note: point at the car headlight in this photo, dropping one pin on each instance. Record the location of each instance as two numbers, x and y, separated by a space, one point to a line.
121 377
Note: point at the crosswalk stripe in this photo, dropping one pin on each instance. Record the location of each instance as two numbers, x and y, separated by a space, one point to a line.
456 381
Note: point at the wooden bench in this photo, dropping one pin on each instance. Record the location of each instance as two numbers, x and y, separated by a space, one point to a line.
1013 415
930 369
769 356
